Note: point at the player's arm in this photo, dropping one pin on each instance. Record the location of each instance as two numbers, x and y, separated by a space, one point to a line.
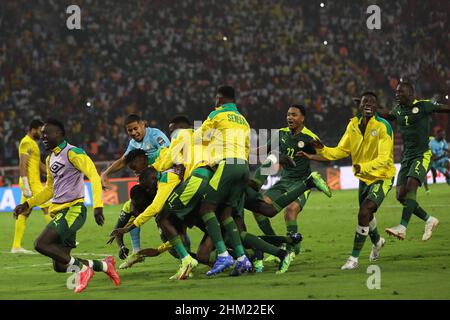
385 146
117 165
84 164
42 167
442 108
40 198
161 139
24 157
342 150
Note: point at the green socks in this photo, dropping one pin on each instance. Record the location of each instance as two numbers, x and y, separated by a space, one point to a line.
291 226
213 228
410 206
257 243
360 238
179 247
233 234
276 240
264 224
373 231
421 213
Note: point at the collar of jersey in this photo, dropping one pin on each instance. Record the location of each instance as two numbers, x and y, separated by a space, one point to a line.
60 147
227 107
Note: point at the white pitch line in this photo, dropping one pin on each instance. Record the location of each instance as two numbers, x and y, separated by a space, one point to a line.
28 266
381 207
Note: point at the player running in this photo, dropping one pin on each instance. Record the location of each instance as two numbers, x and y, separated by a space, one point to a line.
66 167
148 139
30 167
413 118
440 154
368 140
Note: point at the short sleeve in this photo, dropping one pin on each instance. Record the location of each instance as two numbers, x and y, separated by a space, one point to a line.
161 139
25 147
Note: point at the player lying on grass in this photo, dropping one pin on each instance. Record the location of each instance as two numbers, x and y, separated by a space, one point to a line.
413 119
368 140
151 140
66 167
295 179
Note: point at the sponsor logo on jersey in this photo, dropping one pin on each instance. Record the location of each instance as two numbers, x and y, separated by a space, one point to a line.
374 133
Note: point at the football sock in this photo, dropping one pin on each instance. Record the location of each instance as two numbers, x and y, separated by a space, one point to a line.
360 238
291 226
409 206
373 231
265 225
421 213
233 234
19 230
98 265
259 244
213 227
135 235
276 240
179 247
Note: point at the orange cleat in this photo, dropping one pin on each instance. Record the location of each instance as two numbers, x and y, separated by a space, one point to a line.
83 278
111 270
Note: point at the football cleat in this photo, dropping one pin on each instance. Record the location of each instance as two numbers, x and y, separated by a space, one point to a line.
376 248
241 267
285 263
187 265
111 270
398 231
352 263
131 260
221 264
430 226
83 278
258 266
320 183
273 259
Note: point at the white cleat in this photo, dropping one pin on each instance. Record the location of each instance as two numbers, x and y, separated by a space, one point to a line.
376 248
22 250
430 226
352 263
398 231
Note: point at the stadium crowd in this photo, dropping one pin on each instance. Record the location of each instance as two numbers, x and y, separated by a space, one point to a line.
158 58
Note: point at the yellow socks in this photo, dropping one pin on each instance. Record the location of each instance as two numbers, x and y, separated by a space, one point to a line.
19 230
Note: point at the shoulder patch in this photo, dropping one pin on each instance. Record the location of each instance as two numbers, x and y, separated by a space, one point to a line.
387 124
77 150
285 129
310 133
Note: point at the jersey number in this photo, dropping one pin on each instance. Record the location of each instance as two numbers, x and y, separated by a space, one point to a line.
406 121
290 152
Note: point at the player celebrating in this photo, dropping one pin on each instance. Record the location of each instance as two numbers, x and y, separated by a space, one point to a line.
369 141
148 139
30 183
440 153
413 118
66 167
293 139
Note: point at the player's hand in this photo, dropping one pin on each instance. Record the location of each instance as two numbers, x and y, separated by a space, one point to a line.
304 155
99 217
111 240
179 170
21 208
105 182
123 252
118 232
357 168
317 144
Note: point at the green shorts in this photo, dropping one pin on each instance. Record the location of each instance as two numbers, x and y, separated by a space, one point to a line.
283 186
228 183
376 192
185 200
416 167
248 199
67 222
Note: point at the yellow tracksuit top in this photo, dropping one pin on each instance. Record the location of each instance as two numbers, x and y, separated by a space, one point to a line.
83 163
226 134
373 151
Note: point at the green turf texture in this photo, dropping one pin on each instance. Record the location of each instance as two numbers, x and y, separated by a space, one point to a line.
410 269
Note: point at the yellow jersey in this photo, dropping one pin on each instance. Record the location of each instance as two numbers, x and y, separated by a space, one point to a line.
373 150
225 133
30 147
182 151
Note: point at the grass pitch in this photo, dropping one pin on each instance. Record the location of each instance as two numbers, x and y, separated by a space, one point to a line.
410 269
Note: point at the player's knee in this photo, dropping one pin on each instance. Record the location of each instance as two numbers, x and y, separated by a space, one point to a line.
39 246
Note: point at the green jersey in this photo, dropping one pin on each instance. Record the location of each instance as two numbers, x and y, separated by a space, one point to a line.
415 125
290 144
